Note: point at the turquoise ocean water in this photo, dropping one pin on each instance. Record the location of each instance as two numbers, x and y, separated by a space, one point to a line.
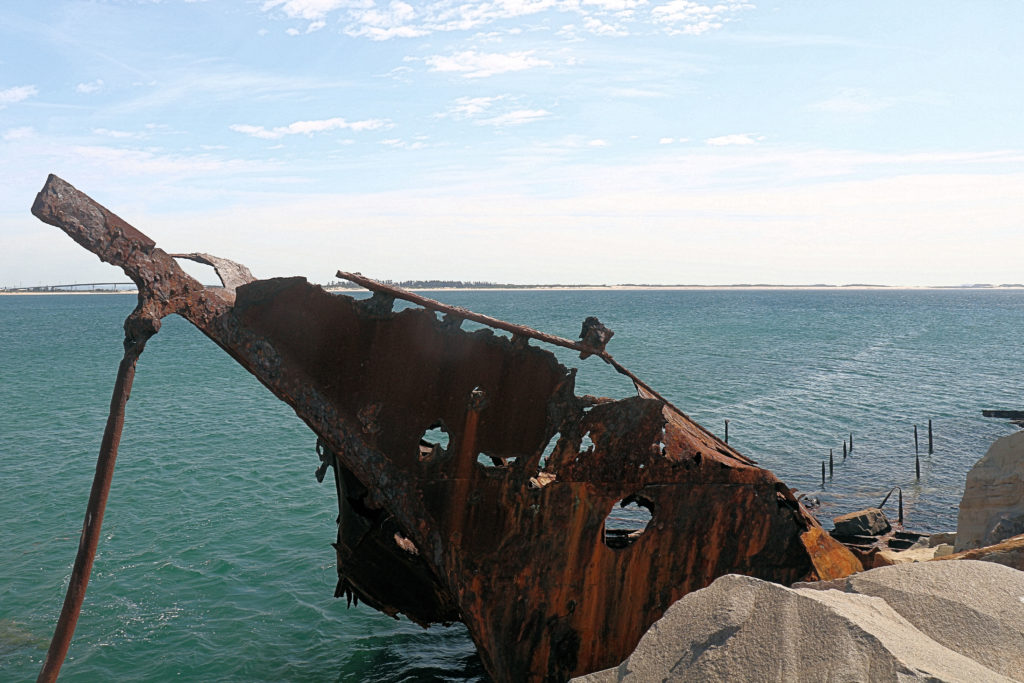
215 562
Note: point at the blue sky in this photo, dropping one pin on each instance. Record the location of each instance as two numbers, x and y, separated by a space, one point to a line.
568 141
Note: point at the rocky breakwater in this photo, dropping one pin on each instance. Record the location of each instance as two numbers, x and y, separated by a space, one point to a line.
935 621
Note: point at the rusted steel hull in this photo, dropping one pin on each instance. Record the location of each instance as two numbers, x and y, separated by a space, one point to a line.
500 529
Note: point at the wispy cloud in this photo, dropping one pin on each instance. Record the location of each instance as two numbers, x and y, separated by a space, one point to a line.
17 94
473 64
398 143
735 139
498 111
515 118
310 127
20 133
468 107
132 162
213 82
854 101
311 9
90 87
118 134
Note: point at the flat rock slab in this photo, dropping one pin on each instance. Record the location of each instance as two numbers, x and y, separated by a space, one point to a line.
867 522
936 621
1009 553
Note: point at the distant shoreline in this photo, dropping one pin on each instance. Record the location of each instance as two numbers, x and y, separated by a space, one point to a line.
615 288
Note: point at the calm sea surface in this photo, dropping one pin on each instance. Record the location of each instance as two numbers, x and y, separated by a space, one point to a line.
215 561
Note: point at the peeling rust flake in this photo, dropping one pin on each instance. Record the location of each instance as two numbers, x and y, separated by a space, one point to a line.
473 483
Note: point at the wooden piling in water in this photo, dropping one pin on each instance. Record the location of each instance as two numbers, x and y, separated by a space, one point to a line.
844 450
727 431
915 440
823 473
917 464
851 443
830 463
930 449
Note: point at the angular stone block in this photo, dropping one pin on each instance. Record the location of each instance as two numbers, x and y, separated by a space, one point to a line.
867 522
993 504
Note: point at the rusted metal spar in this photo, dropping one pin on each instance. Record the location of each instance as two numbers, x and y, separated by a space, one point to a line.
58 650
458 311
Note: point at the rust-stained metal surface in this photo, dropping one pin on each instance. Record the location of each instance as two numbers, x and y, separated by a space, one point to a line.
503 528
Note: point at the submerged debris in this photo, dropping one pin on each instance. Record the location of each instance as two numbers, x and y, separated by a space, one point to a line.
473 484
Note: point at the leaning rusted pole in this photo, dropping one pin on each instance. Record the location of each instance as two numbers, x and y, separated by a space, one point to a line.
133 347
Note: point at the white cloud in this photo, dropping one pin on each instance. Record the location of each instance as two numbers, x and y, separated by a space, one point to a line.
91 87
315 26
735 139
20 133
17 94
401 19
597 143
383 24
515 118
293 31
666 141
309 127
599 28
473 64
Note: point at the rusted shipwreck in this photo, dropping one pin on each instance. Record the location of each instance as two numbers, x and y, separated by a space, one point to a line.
517 551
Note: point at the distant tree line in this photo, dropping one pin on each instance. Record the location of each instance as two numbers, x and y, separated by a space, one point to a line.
445 284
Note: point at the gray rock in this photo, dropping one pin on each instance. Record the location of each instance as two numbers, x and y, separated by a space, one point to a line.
867 522
993 502
743 629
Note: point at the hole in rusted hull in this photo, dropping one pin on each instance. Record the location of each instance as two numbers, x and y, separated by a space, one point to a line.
493 460
434 441
586 444
548 450
627 521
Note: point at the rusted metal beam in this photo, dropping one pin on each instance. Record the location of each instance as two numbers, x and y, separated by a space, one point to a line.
503 528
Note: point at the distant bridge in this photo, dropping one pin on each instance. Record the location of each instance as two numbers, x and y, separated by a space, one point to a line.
74 287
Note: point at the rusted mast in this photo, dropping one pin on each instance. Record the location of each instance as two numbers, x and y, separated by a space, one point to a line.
134 343
114 241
